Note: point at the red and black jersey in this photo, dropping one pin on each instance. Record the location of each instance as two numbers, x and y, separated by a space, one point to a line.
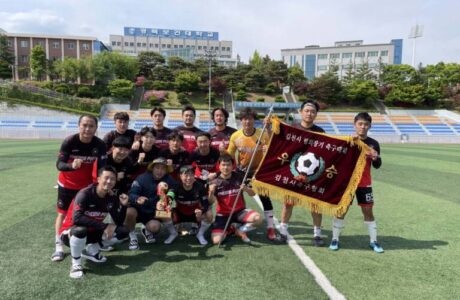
178 159
189 137
205 164
93 155
161 138
226 192
149 157
314 128
87 209
188 201
219 137
126 168
366 179
112 135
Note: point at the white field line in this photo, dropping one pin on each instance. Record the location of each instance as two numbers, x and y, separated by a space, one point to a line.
320 278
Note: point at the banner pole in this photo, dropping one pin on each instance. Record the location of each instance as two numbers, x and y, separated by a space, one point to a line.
270 111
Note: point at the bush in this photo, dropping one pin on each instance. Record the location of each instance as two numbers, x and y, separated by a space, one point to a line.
279 99
241 95
121 88
182 98
62 88
84 91
240 87
270 89
162 85
261 99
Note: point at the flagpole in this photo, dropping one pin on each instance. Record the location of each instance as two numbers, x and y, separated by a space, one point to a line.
270 111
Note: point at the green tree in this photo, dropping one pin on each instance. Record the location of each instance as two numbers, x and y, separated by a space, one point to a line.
177 64
406 95
124 66
38 62
187 81
121 88
326 88
361 92
148 61
256 59
6 58
162 73
68 69
364 73
398 74
295 75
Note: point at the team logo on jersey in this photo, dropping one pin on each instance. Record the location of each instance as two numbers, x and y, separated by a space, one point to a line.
306 166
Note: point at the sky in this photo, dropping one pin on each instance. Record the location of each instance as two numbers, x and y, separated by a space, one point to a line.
266 26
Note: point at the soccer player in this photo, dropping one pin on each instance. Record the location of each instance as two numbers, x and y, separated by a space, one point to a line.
121 120
80 156
122 163
205 158
188 130
192 203
364 195
244 141
224 190
221 133
175 155
84 222
143 199
158 115
147 151
308 111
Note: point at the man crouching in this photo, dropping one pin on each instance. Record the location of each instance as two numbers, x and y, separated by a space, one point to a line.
84 223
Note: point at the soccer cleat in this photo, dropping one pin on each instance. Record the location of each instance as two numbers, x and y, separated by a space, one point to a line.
334 246
133 245
376 247
57 256
243 236
193 230
171 238
318 241
282 238
201 239
271 234
106 248
148 236
97 258
76 271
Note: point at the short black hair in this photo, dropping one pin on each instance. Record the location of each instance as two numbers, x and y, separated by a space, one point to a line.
187 169
311 102
247 113
203 133
107 168
87 116
223 110
146 130
189 107
175 135
363 116
121 115
225 157
121 141
161 110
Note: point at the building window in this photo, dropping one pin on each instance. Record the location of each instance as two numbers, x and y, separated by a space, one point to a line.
71 46
228 49
334 56
322 56
41 43
131 44
10 44
138 44
322 68
199 47
384 53
24 44
372 66
144 44
181 46
168 46
114 43
126 44
347 67
205 47
372 53
217 48
24 58
347 55
156 45
360 54
118 43
55 45
85 46
176 46
163 45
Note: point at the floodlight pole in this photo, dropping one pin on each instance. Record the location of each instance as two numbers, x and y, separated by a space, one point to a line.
209 55
270 111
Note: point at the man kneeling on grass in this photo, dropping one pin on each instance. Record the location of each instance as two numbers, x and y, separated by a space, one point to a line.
224 190
84 223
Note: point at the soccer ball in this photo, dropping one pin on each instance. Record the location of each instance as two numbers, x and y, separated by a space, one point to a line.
307 164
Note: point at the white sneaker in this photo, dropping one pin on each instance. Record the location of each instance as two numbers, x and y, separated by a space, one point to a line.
201 239
171 238
148 236
133 245
97 258
76 271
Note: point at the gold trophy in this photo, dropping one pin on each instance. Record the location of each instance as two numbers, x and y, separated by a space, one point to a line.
163 210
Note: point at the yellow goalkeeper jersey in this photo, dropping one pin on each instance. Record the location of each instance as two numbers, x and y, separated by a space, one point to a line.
242 146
